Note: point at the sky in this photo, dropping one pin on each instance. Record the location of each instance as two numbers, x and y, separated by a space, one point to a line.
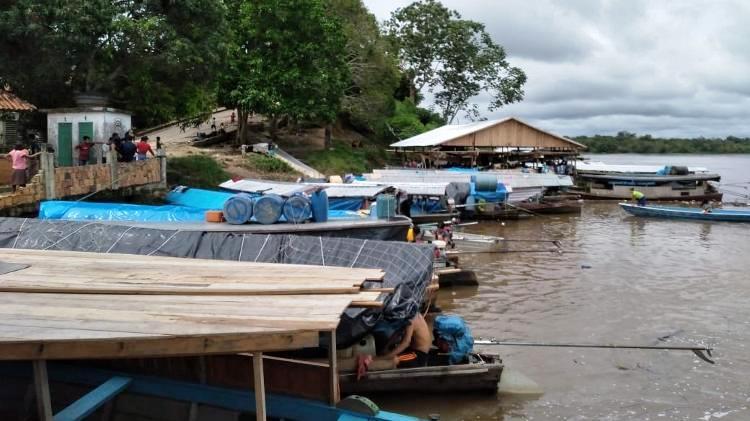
672 68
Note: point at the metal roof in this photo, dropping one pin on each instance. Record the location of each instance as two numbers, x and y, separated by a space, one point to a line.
287 188
595 166
514 179
447 133
10 102
422 189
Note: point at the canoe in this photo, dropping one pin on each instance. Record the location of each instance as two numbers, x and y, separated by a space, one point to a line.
481 374
729 215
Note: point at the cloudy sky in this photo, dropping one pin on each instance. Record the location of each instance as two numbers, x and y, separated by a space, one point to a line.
668 68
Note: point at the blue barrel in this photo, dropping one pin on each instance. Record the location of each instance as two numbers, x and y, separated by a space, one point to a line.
320 206
238 209
485 182
386 206
268 208
297 209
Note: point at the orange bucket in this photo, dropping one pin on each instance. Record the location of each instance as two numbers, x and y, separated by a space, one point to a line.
214 216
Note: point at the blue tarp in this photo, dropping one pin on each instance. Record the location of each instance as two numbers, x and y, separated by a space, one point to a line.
426 206
499 195
345 203
198 198
83 211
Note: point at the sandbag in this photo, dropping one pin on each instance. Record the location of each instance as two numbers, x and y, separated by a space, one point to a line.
268 209
238 209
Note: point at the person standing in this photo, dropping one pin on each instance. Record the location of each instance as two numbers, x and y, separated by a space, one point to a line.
213 124
638 196
84 150
128 150
142 149
19 162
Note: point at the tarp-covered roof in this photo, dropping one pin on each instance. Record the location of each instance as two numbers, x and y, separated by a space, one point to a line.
448 133
10 102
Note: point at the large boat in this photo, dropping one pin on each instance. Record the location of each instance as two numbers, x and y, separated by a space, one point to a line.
668 183
675 212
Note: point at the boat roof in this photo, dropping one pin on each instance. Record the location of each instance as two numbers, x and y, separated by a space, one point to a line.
596 166
513 179
70 305
651 177
289 188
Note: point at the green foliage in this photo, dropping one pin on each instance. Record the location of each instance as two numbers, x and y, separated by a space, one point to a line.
410 120
157 58
342 158
195 171
268 164
625 142
454 58
287 58
374 74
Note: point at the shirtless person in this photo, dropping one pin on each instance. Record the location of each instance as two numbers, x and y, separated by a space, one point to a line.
413 349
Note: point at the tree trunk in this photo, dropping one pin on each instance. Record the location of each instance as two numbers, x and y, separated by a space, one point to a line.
274 127
241 126
327 136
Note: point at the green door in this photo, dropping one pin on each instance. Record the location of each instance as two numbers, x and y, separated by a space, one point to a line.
87 129
64 144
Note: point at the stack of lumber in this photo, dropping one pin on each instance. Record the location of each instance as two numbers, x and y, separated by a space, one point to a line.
63 305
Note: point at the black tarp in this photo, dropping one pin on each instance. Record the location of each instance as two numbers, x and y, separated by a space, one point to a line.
407 267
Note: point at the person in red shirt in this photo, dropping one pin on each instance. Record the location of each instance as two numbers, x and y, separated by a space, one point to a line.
84 150
142 149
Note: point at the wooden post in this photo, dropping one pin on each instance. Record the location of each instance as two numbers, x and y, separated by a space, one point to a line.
113 169
41 386
162 155
47 165
260 388
334 392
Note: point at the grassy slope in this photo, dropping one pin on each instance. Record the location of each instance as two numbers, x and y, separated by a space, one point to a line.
342 158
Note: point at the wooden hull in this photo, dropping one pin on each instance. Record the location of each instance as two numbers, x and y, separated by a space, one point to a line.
429 218
671 212
660 198
555 207
476 377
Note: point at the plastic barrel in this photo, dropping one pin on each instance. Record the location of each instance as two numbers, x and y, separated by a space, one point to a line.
484 182
297 209
320 206
268 208
238 209
386 206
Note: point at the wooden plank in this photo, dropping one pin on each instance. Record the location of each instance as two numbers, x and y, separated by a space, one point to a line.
91 401
334 392
259 386
80 274
41 386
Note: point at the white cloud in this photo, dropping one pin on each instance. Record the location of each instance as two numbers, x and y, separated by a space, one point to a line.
671 68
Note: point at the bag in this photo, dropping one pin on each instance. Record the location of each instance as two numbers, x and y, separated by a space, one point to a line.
452 330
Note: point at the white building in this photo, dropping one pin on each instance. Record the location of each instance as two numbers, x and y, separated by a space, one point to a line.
66 128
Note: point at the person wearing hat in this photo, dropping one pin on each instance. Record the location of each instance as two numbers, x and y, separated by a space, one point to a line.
638 196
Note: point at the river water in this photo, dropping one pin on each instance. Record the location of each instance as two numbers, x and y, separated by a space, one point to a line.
621 279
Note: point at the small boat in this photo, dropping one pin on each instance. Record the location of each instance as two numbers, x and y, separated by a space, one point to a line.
480 374
552 207
729 215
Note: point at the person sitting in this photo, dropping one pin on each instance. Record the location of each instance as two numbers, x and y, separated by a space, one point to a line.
638 196
414 348
707 206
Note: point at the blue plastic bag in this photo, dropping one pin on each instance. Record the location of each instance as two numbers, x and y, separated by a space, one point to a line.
453 330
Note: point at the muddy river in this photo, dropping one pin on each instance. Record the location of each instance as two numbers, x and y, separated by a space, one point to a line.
620 279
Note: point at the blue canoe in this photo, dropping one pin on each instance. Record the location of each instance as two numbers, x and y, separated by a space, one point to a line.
730 215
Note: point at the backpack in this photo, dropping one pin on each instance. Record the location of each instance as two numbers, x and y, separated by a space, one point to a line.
453 330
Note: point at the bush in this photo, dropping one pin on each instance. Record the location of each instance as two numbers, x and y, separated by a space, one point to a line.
269 164
200 171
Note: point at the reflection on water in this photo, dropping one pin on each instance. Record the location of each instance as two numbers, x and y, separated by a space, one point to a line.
620 279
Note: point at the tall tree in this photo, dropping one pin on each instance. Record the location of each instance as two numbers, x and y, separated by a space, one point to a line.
374 74
288 59
154 57
453 58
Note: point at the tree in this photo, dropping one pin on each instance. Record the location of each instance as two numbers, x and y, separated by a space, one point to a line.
154 57
374 74
287 60
453 58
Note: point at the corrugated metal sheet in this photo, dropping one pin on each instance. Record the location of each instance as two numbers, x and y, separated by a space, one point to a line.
287 189
10 102
447 133
514 179
422 189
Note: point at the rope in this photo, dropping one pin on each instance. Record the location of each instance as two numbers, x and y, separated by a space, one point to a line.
64 238
262 247
358 253
242 246
19 232
165 242
118 239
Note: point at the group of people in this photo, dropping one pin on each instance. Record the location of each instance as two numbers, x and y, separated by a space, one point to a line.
127 150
